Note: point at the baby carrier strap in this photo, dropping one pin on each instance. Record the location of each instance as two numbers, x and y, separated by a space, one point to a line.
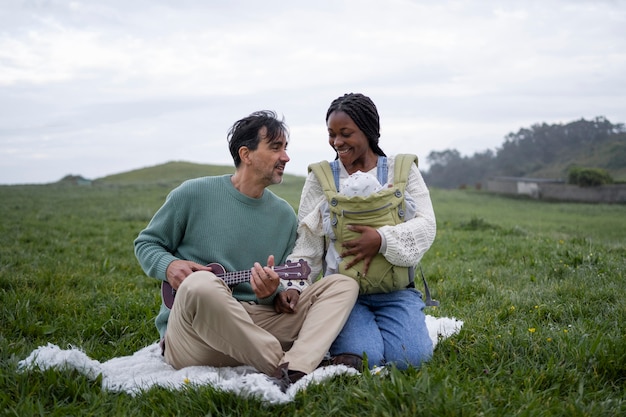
402 168
324 173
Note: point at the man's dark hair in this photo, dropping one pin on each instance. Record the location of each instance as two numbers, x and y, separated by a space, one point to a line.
245 132
363 112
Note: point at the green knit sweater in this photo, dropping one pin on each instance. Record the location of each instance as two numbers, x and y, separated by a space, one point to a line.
207 220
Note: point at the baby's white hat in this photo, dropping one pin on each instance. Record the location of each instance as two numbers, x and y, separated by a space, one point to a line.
360 184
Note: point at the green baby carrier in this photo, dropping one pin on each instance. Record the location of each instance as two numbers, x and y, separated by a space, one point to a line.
386 207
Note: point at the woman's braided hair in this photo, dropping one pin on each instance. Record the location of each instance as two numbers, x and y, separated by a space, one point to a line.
363 112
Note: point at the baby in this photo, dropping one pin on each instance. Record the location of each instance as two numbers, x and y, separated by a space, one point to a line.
359 184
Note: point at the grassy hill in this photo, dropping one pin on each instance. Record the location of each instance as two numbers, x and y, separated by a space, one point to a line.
171 174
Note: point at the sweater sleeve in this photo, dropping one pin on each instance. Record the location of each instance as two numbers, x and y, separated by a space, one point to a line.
154 247
408 242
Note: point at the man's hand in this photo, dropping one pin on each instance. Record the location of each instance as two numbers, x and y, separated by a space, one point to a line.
180 269
364 248
286 301
263 279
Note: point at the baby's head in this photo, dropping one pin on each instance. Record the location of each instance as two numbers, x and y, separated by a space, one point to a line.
360 184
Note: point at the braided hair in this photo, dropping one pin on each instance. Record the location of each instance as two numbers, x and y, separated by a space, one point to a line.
363 112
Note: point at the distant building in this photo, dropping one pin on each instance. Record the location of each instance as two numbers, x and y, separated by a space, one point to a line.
557 190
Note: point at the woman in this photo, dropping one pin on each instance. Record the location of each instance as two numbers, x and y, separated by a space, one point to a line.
387 327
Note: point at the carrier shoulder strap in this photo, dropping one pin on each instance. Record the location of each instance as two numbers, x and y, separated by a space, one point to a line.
402 169
324 174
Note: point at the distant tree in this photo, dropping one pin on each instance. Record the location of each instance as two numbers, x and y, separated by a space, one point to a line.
529 150
588 177
617 153
449 170
443 166
525 152
74 180
443 158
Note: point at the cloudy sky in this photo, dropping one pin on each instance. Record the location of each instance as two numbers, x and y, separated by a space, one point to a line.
97 87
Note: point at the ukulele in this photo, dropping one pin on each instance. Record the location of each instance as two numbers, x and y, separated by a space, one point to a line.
290 271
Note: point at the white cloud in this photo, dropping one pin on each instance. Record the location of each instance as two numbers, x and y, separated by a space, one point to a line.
161 80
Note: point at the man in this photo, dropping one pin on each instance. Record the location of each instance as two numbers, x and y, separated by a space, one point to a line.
235 221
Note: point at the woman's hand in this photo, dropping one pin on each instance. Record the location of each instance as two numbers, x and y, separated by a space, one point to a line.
286 301
363 248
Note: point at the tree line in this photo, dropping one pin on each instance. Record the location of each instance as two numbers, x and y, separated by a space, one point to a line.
535 152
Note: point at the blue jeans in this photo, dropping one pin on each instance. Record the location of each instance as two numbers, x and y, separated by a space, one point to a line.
388 328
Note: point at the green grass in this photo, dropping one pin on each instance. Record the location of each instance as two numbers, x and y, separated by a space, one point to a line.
540 286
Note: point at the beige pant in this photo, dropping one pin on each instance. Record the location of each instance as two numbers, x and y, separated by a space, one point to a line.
207 326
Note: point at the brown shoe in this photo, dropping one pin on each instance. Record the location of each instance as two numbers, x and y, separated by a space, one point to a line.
295 376
348 359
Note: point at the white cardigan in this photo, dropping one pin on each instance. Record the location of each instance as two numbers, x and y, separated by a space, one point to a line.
403 244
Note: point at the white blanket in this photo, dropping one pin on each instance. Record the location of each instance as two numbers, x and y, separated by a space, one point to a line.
146 368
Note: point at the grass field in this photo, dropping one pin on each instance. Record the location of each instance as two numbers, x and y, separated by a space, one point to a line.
540 287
